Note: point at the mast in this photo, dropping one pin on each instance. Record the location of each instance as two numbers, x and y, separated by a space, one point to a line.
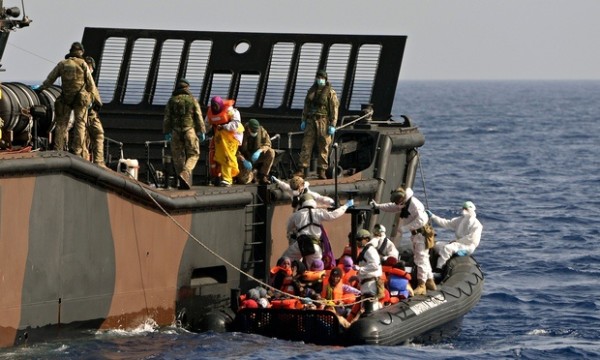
9 22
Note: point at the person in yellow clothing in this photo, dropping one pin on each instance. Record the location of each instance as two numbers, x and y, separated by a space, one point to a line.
228 136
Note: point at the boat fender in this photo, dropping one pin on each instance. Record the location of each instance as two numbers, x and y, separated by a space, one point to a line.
217 321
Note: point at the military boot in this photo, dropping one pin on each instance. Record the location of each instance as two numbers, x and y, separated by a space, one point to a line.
184 180
430 284
321 174
300 172
421 289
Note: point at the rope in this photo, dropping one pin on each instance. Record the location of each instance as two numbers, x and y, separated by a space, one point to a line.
422 180
227 262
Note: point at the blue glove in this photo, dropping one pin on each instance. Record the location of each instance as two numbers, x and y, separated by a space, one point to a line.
247 164
429 213
331 130
35 87
462 253
256 155
168 137
350 203
201 136
303 125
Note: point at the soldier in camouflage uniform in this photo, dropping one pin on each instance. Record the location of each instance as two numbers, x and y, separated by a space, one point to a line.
184 126
95 129
318 123
77 87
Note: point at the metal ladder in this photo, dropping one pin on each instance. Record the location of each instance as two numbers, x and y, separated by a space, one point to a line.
254 257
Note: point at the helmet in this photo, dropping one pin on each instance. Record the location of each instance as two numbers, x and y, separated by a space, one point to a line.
379 229
216 104
76 46
468 205
182 83
91 62
296 182
307 200
398 195
363 233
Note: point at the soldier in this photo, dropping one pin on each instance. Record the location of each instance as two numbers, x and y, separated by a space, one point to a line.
77 87
318 123
95 129
255 152
183 126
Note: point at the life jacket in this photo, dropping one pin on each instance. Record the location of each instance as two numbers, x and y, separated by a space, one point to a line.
223 116
347 275
398 282
312 276
286 304
337 293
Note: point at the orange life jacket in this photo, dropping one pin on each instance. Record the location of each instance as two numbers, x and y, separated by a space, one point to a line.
395 271
286 304
338 293
223 116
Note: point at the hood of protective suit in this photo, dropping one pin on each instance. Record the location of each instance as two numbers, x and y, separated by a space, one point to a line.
409 194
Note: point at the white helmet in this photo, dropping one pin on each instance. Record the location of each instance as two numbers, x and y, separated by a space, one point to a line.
379 229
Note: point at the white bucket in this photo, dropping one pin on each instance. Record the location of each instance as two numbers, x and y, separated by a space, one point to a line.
129 166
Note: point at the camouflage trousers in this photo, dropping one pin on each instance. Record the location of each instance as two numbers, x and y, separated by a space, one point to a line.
94 139
62 117
315 133
185 150
263 166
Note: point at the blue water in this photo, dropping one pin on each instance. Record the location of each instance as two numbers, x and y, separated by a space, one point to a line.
527 154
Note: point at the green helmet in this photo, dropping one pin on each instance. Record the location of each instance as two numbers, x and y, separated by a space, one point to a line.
307 200
469 205
363 233
398 195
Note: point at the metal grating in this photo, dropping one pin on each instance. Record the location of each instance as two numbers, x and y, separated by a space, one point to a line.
337 65
198 59
279 72
270 78
168 67
109 67
364 78
248 90
137 78
221 84
310 55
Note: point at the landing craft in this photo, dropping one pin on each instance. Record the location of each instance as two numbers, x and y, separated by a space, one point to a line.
85 247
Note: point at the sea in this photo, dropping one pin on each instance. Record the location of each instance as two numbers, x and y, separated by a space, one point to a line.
527 153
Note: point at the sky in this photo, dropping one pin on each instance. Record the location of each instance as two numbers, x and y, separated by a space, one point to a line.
447 40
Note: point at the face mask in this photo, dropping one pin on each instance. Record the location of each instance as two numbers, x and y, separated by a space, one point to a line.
320 82
253 134
296 193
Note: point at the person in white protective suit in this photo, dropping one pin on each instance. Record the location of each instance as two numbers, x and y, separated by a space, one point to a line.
414 220
385 247
298 187
467 230
304 227
369 269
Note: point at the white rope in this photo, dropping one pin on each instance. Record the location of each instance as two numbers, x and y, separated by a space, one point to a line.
260 282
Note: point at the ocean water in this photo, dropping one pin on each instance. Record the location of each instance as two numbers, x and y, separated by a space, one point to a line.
527 154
